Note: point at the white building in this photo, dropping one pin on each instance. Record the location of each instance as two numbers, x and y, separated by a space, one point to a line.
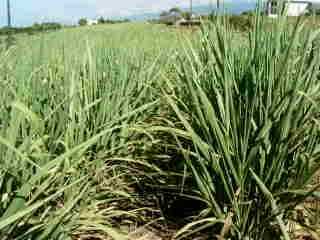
292 7
92 22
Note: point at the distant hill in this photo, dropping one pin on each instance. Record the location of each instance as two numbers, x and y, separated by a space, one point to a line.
234 8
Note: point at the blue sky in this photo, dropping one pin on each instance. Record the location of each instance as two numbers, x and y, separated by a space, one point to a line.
26 12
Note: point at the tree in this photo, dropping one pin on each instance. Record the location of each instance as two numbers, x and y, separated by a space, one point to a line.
186 15
83 22
175 10
36 25
248 13
164 14
176 13
101 20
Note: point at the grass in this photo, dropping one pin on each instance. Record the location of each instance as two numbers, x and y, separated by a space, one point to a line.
61 110
251 114
111 126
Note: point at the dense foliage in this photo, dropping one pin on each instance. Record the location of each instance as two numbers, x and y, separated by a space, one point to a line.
43 27
252 114
107 128
82 22
102 20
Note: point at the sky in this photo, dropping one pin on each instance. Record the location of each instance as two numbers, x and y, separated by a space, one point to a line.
26 12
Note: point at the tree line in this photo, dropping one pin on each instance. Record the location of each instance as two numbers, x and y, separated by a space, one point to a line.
36 27
101 20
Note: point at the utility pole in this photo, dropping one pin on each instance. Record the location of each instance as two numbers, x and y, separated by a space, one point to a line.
218 4
191 9
9 37
9 13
